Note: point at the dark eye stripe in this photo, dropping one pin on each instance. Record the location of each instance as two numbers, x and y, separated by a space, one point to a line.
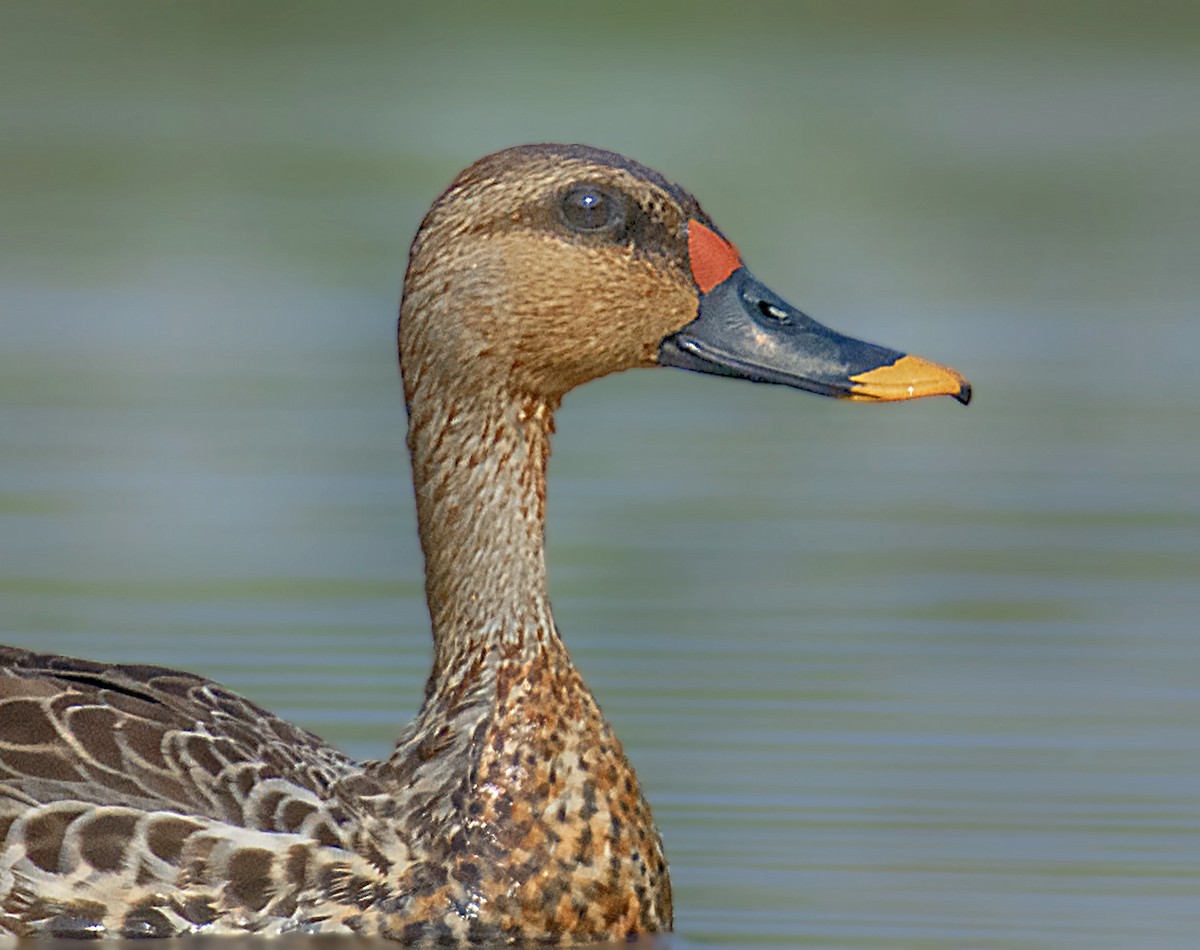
651 227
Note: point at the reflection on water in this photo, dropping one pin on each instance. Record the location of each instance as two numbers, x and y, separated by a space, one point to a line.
909 675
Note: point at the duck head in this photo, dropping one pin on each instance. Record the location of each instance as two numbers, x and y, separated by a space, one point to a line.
545 266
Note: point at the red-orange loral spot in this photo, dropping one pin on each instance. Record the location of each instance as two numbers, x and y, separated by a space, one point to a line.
713 258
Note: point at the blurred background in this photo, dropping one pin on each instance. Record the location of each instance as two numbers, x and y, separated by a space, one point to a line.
904 675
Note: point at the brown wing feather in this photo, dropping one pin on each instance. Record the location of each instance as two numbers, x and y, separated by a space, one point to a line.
151 738
143 801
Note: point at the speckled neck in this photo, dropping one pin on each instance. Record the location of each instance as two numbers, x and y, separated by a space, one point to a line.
479 470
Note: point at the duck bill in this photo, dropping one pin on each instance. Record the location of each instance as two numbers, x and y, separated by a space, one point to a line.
743 329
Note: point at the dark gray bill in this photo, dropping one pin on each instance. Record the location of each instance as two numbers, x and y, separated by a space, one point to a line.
743 329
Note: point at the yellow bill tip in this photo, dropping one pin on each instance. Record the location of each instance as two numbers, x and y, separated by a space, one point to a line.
910 377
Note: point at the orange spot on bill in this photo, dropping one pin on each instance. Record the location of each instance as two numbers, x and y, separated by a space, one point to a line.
910 377
713 258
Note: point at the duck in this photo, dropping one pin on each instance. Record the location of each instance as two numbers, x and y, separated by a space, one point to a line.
141 801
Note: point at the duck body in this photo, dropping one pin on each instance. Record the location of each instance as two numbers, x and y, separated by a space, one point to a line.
165 804
141 801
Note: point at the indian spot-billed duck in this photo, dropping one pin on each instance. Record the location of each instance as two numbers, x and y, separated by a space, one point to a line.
142 801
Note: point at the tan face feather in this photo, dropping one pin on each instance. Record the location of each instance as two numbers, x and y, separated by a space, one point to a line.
497 274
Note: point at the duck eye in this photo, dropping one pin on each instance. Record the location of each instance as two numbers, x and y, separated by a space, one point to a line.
590 208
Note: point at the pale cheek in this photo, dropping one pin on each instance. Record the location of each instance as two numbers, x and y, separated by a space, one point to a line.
574 314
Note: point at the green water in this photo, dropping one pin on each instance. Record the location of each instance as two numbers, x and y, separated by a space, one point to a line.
903 676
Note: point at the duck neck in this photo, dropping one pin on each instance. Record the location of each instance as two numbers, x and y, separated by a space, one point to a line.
510 777
479 470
